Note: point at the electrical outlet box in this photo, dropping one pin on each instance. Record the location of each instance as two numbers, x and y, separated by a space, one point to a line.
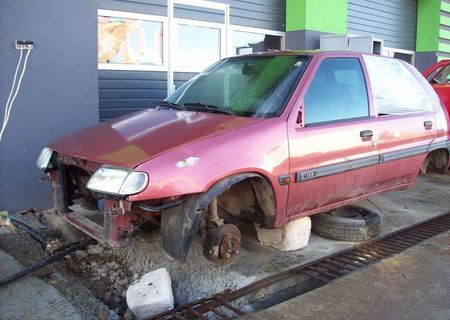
24 44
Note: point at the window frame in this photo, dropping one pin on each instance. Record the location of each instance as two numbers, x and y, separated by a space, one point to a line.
144 17
370 110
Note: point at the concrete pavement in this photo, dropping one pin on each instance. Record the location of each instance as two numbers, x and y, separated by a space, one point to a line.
30 297
412 285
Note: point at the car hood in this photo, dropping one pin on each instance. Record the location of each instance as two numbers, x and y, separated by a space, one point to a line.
131 140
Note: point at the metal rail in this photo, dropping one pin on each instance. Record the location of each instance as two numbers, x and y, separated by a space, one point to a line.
40 264
323 270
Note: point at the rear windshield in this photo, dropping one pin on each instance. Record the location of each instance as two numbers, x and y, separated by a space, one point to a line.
249 86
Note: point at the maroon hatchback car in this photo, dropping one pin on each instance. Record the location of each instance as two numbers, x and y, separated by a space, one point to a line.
267 138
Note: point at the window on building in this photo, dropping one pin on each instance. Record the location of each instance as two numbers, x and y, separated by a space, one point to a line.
127 41
250 42
197 46
395 90
337 92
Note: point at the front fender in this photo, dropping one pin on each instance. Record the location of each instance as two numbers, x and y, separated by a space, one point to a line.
179 224
193 168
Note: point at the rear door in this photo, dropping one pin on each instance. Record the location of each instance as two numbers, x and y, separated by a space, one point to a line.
405 124
331 141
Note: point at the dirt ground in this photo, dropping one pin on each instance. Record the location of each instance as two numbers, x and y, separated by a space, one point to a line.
107 273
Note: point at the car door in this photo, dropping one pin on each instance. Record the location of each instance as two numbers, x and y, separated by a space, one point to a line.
405 121
439 78
331 137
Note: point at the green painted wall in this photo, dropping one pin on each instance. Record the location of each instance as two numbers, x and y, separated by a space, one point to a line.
427 25
317 15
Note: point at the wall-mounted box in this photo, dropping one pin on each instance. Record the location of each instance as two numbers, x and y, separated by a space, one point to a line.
349 42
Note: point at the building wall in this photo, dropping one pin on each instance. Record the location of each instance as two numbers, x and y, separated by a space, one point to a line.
307 20
59 91
394 21
121 92
433 32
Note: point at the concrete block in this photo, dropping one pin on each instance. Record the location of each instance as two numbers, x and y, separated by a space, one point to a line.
293 235
151 294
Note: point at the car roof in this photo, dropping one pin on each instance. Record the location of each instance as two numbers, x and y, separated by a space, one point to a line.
317 52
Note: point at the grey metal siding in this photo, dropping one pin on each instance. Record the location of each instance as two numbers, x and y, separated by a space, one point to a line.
395 21
122 92
263 14
154 7
197 13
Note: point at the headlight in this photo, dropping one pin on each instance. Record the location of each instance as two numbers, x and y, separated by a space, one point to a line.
117 181
44 158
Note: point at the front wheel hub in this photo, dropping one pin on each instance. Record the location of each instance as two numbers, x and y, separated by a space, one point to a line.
222 244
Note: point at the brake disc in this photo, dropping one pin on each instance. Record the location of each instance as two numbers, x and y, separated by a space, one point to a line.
222 244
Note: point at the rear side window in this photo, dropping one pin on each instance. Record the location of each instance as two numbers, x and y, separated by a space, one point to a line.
395 90
337 92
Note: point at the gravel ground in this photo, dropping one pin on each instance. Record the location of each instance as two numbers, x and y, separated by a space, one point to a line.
107 273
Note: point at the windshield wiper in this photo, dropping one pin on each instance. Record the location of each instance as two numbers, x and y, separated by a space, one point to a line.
171 105
208 107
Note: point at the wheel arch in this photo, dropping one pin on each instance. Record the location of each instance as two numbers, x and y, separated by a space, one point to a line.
437 160
185 219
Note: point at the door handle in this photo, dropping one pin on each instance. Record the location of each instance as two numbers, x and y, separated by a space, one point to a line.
366 134
428 125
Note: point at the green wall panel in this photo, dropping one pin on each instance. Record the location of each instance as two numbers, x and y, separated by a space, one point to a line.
427 25
317 15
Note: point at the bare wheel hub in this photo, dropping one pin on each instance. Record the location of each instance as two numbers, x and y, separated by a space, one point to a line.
222 244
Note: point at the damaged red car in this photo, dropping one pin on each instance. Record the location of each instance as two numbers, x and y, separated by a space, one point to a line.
267 138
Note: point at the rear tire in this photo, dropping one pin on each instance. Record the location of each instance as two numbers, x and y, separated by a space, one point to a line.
349 223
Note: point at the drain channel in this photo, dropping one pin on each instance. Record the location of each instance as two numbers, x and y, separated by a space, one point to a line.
324 270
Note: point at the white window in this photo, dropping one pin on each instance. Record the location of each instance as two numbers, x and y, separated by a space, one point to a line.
130 41
395 90
197 47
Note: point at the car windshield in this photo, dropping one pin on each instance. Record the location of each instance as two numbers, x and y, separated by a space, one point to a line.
249 86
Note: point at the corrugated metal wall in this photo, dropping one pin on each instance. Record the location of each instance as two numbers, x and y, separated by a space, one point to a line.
395 21
121 92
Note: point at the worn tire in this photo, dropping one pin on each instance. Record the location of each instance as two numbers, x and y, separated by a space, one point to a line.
349 223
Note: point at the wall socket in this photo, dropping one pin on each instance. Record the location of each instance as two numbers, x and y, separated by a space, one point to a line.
24 44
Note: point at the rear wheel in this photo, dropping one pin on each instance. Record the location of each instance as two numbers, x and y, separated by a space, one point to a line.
349 223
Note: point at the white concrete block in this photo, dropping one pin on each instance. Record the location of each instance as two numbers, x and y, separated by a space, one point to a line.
151 294
293 235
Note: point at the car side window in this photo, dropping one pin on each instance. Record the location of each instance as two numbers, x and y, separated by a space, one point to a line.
395 89
337 92
443 76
